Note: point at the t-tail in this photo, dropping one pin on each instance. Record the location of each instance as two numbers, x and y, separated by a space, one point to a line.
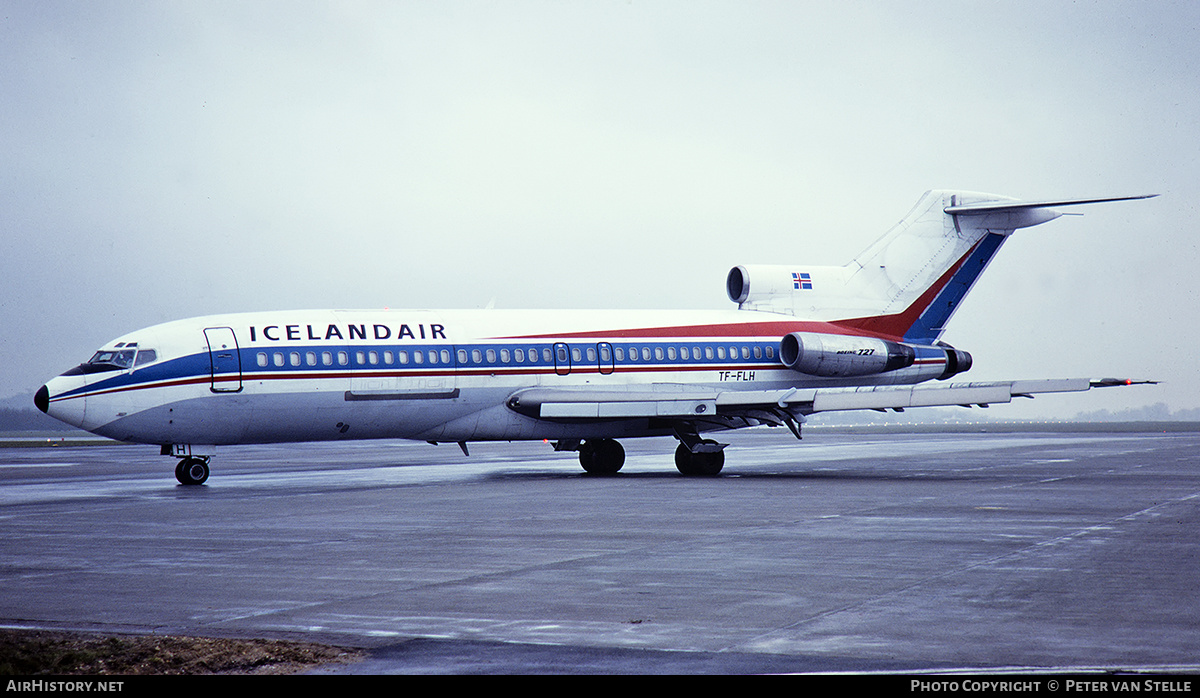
909 283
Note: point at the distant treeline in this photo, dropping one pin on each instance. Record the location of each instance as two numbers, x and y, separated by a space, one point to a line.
1158 412
30 420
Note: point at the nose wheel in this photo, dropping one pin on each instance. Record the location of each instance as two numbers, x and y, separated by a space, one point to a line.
192 471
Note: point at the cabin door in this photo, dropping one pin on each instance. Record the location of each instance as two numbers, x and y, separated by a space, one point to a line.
224 359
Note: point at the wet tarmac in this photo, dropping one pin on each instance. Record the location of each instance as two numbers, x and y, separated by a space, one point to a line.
845 552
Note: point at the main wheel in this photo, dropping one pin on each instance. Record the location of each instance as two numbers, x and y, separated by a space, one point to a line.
704 464
603 457
191 471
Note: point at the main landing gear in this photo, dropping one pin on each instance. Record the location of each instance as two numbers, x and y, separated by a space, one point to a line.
708 461
601 456
694 457
192 471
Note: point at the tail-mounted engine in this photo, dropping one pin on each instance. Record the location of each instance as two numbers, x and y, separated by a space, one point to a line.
838 356
842 356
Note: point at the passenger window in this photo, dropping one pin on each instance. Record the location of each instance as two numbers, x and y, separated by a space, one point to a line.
388 358
658 353
491 356
575 356
671 353
505 356
445 356
418 357
683 353
403 356
262 359
708 352
519 354
433 357
373 357
546 355
343 358
770 352
462 356
591 353
360 358
310 358
476 356
294 358
720 352
646 353
278 358
757 352
327 358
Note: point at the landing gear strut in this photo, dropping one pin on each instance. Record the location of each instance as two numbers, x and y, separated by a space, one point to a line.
601 457
192 471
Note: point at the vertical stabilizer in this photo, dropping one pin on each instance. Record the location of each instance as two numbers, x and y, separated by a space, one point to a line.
919 271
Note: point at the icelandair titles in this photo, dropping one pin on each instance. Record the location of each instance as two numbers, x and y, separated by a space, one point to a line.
279 333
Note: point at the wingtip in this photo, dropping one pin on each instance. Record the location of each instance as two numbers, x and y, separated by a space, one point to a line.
1111 382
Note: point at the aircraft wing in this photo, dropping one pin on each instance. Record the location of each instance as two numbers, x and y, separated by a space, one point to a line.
776 406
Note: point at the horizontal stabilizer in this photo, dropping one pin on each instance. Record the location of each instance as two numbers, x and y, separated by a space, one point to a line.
980 208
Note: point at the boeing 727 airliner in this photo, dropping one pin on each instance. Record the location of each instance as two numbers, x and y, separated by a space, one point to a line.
804 339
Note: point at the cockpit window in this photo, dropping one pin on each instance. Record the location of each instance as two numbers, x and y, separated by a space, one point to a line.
112 359
118 359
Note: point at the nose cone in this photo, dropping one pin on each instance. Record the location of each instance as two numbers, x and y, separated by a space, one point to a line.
55 399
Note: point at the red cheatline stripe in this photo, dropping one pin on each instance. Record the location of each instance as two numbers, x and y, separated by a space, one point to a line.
771 330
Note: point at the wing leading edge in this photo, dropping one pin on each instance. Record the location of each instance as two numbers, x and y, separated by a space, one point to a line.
679 403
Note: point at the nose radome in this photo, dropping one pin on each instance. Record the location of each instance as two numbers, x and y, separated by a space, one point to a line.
42 399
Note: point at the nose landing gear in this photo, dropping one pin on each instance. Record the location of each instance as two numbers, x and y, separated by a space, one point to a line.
192 471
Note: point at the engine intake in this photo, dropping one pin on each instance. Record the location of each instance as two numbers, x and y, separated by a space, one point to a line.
838 356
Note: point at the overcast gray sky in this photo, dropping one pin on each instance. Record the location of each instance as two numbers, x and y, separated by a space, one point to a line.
165 160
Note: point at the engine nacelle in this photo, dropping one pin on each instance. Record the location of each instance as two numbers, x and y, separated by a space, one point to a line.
957 361
777 283
805 290
839 356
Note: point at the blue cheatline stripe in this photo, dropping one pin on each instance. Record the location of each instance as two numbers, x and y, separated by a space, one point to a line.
196 368
929 326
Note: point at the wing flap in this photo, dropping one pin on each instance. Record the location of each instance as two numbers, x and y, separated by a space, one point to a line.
550 403
941 396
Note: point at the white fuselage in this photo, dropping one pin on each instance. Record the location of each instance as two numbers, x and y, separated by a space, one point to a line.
430 375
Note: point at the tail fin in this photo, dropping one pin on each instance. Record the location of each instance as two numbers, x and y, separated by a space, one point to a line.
908 283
